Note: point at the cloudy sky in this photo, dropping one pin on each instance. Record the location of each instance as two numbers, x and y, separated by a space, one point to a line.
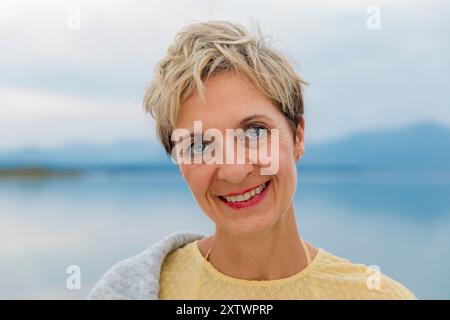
63 82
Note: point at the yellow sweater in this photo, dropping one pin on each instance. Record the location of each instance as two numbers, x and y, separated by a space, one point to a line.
186 274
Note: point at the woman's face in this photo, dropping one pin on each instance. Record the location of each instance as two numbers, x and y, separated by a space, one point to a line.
221 189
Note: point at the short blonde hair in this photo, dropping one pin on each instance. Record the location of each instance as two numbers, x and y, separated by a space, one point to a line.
201 50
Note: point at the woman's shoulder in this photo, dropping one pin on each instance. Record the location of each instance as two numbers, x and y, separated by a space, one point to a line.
137 277
358 279
180 259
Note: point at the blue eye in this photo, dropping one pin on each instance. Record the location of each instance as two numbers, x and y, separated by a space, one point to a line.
257 131
198 147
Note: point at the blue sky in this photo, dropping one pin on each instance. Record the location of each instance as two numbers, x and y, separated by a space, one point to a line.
61 85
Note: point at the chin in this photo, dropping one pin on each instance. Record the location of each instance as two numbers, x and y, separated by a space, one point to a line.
259 222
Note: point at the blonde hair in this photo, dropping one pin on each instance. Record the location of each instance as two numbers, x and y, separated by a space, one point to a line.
201 50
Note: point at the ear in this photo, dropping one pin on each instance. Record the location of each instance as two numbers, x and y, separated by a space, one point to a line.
299 148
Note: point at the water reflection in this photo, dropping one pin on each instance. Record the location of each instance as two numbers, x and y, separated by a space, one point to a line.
397 220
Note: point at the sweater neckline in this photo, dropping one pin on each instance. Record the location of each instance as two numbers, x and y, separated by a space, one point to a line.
216 273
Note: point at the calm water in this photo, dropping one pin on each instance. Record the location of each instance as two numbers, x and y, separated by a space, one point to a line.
399 221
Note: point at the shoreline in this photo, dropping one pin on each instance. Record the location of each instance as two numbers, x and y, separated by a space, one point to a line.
36 173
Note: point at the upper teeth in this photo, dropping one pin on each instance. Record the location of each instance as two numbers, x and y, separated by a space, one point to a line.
247 195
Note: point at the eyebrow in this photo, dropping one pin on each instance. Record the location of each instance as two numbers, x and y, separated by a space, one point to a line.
241 124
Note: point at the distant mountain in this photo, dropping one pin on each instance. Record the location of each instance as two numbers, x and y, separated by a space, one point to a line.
126 153
424 145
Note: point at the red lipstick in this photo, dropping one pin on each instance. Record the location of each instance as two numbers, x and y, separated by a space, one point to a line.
253 201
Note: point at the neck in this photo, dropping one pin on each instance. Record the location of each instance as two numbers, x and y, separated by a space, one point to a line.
273 254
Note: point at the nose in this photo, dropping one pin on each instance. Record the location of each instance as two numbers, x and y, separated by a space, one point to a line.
235 173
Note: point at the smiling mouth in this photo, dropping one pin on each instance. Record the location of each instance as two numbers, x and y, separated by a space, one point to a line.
245 197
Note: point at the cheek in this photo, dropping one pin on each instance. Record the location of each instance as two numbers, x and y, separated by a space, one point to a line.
198 179
287 173
286 153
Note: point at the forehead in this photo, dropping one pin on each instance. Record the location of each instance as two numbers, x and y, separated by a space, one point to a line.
229 97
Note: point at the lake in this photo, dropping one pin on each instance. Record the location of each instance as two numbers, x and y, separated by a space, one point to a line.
397 220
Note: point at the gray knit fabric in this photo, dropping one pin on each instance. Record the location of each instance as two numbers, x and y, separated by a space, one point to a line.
137 277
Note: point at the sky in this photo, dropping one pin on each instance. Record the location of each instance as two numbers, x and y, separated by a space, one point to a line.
76 71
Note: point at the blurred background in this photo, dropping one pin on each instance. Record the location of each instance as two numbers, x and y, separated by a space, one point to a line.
84 182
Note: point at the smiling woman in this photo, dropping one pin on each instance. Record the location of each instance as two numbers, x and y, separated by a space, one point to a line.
225 78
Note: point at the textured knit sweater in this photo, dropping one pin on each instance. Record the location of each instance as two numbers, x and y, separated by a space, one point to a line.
186 274
174 268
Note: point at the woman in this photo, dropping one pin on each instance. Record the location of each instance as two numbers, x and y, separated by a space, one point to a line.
220 76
